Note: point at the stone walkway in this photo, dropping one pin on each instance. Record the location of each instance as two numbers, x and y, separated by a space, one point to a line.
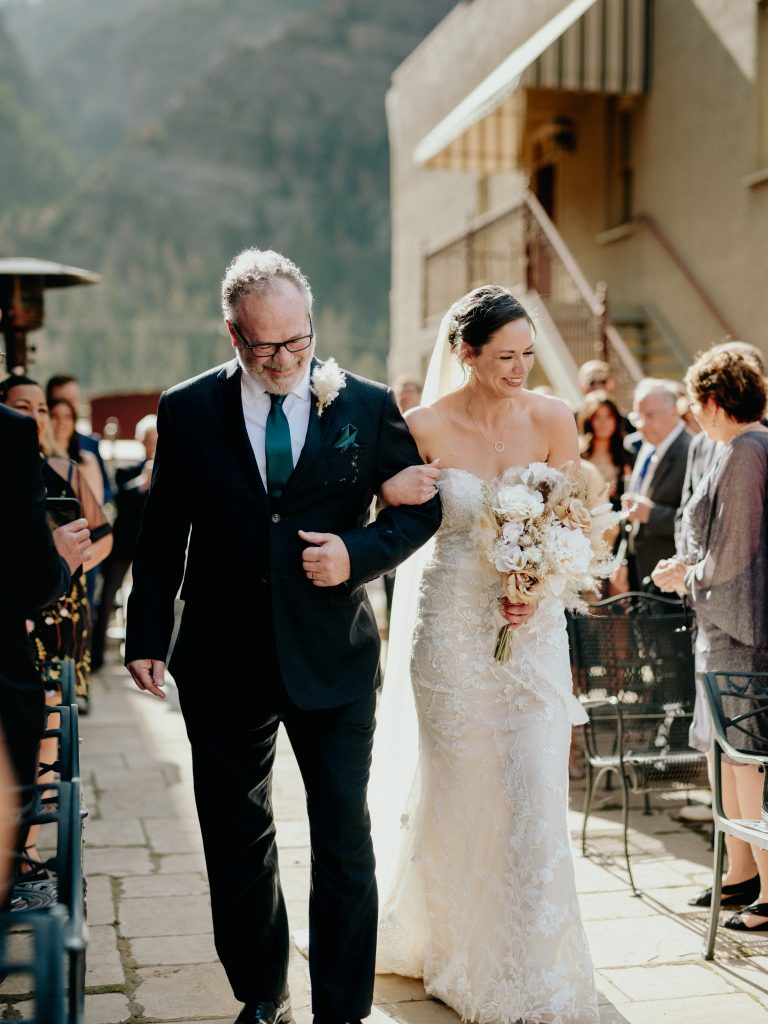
151 955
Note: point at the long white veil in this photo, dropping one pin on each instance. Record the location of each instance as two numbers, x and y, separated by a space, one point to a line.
394 787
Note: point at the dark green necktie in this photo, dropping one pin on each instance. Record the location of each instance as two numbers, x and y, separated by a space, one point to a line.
278 448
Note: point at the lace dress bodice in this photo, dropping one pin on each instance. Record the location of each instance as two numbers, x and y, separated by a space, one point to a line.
459 616
484 906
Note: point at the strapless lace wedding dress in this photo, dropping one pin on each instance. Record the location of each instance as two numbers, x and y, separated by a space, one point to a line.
484 903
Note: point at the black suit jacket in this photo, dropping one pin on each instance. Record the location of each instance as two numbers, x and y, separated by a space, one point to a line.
656 538
243 570
33 574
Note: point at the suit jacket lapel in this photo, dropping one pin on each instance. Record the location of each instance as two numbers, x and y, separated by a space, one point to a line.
664 467
230 398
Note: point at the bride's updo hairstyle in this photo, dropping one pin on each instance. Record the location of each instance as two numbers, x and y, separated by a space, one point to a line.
481 313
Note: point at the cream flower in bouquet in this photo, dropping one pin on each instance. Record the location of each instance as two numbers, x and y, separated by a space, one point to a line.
539 535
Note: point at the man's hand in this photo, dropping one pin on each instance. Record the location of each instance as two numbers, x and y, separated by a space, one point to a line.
516 614
638 506
149 675
326 563
73 542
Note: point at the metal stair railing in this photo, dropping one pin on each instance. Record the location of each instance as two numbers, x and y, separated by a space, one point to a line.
520 246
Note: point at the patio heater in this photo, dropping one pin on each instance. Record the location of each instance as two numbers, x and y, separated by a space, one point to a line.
22 283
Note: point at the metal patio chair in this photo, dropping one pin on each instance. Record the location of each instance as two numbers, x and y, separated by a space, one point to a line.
748 692
32 945
58 804
633 664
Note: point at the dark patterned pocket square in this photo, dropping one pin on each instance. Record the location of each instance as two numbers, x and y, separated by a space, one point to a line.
347 438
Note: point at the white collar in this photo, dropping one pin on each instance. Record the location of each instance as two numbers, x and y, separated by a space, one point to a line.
255 387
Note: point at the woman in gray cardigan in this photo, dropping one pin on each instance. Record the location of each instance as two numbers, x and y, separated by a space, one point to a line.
724 574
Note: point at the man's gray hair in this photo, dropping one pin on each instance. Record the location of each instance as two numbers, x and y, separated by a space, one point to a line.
146 423
255 271
656 386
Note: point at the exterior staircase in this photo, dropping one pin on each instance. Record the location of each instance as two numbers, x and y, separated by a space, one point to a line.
651 342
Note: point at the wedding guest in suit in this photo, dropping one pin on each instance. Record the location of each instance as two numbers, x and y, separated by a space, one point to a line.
267 467
131 488
722 570
655 485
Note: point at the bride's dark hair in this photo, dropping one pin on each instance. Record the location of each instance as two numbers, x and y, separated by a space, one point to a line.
482 312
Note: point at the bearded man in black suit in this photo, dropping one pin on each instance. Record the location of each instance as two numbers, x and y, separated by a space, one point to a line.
268 466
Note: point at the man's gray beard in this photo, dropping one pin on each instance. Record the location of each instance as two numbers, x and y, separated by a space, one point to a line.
271 386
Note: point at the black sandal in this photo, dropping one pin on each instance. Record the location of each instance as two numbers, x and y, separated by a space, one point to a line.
737 923
37 870
734 895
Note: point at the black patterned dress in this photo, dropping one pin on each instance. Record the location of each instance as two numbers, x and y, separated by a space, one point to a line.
63 630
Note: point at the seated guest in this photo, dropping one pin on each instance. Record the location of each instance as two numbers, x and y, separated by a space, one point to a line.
654 490
722 569
131 488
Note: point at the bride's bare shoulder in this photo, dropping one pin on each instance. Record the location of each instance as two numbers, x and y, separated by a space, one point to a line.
555 419
423 420
549 409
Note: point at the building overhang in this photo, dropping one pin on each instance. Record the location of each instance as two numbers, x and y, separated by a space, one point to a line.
594 46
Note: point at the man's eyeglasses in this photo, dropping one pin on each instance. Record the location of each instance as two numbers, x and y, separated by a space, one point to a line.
598 382
268 349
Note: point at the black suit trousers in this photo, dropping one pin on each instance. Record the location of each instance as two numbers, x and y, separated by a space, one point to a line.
232 721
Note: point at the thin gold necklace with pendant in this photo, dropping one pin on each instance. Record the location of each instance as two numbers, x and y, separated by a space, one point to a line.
498 446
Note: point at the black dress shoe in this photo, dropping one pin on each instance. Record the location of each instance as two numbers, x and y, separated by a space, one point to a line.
277 1011
737 894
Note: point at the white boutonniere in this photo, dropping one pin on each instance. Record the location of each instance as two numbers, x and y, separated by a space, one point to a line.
326 383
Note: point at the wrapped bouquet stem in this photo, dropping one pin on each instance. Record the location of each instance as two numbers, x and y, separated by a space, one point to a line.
537 531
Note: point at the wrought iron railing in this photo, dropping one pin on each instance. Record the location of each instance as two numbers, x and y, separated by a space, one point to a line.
521 248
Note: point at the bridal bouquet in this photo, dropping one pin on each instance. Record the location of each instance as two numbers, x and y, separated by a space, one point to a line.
537 531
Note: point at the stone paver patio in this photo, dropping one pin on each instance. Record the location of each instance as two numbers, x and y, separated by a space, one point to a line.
151 954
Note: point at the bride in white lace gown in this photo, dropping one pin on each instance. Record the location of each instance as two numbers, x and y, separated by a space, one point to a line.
478 891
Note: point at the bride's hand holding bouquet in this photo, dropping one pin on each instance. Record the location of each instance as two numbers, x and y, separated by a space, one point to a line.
536 530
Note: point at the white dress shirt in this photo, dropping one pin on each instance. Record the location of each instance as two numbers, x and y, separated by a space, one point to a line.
658 455
256 406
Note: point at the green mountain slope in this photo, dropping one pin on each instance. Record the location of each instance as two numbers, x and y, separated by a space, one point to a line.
279 142
119 70
35 163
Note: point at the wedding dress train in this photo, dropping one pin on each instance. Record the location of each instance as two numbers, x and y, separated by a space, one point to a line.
481 900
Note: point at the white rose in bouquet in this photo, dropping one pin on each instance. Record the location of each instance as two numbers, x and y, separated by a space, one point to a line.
511 532
509 558
518 502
